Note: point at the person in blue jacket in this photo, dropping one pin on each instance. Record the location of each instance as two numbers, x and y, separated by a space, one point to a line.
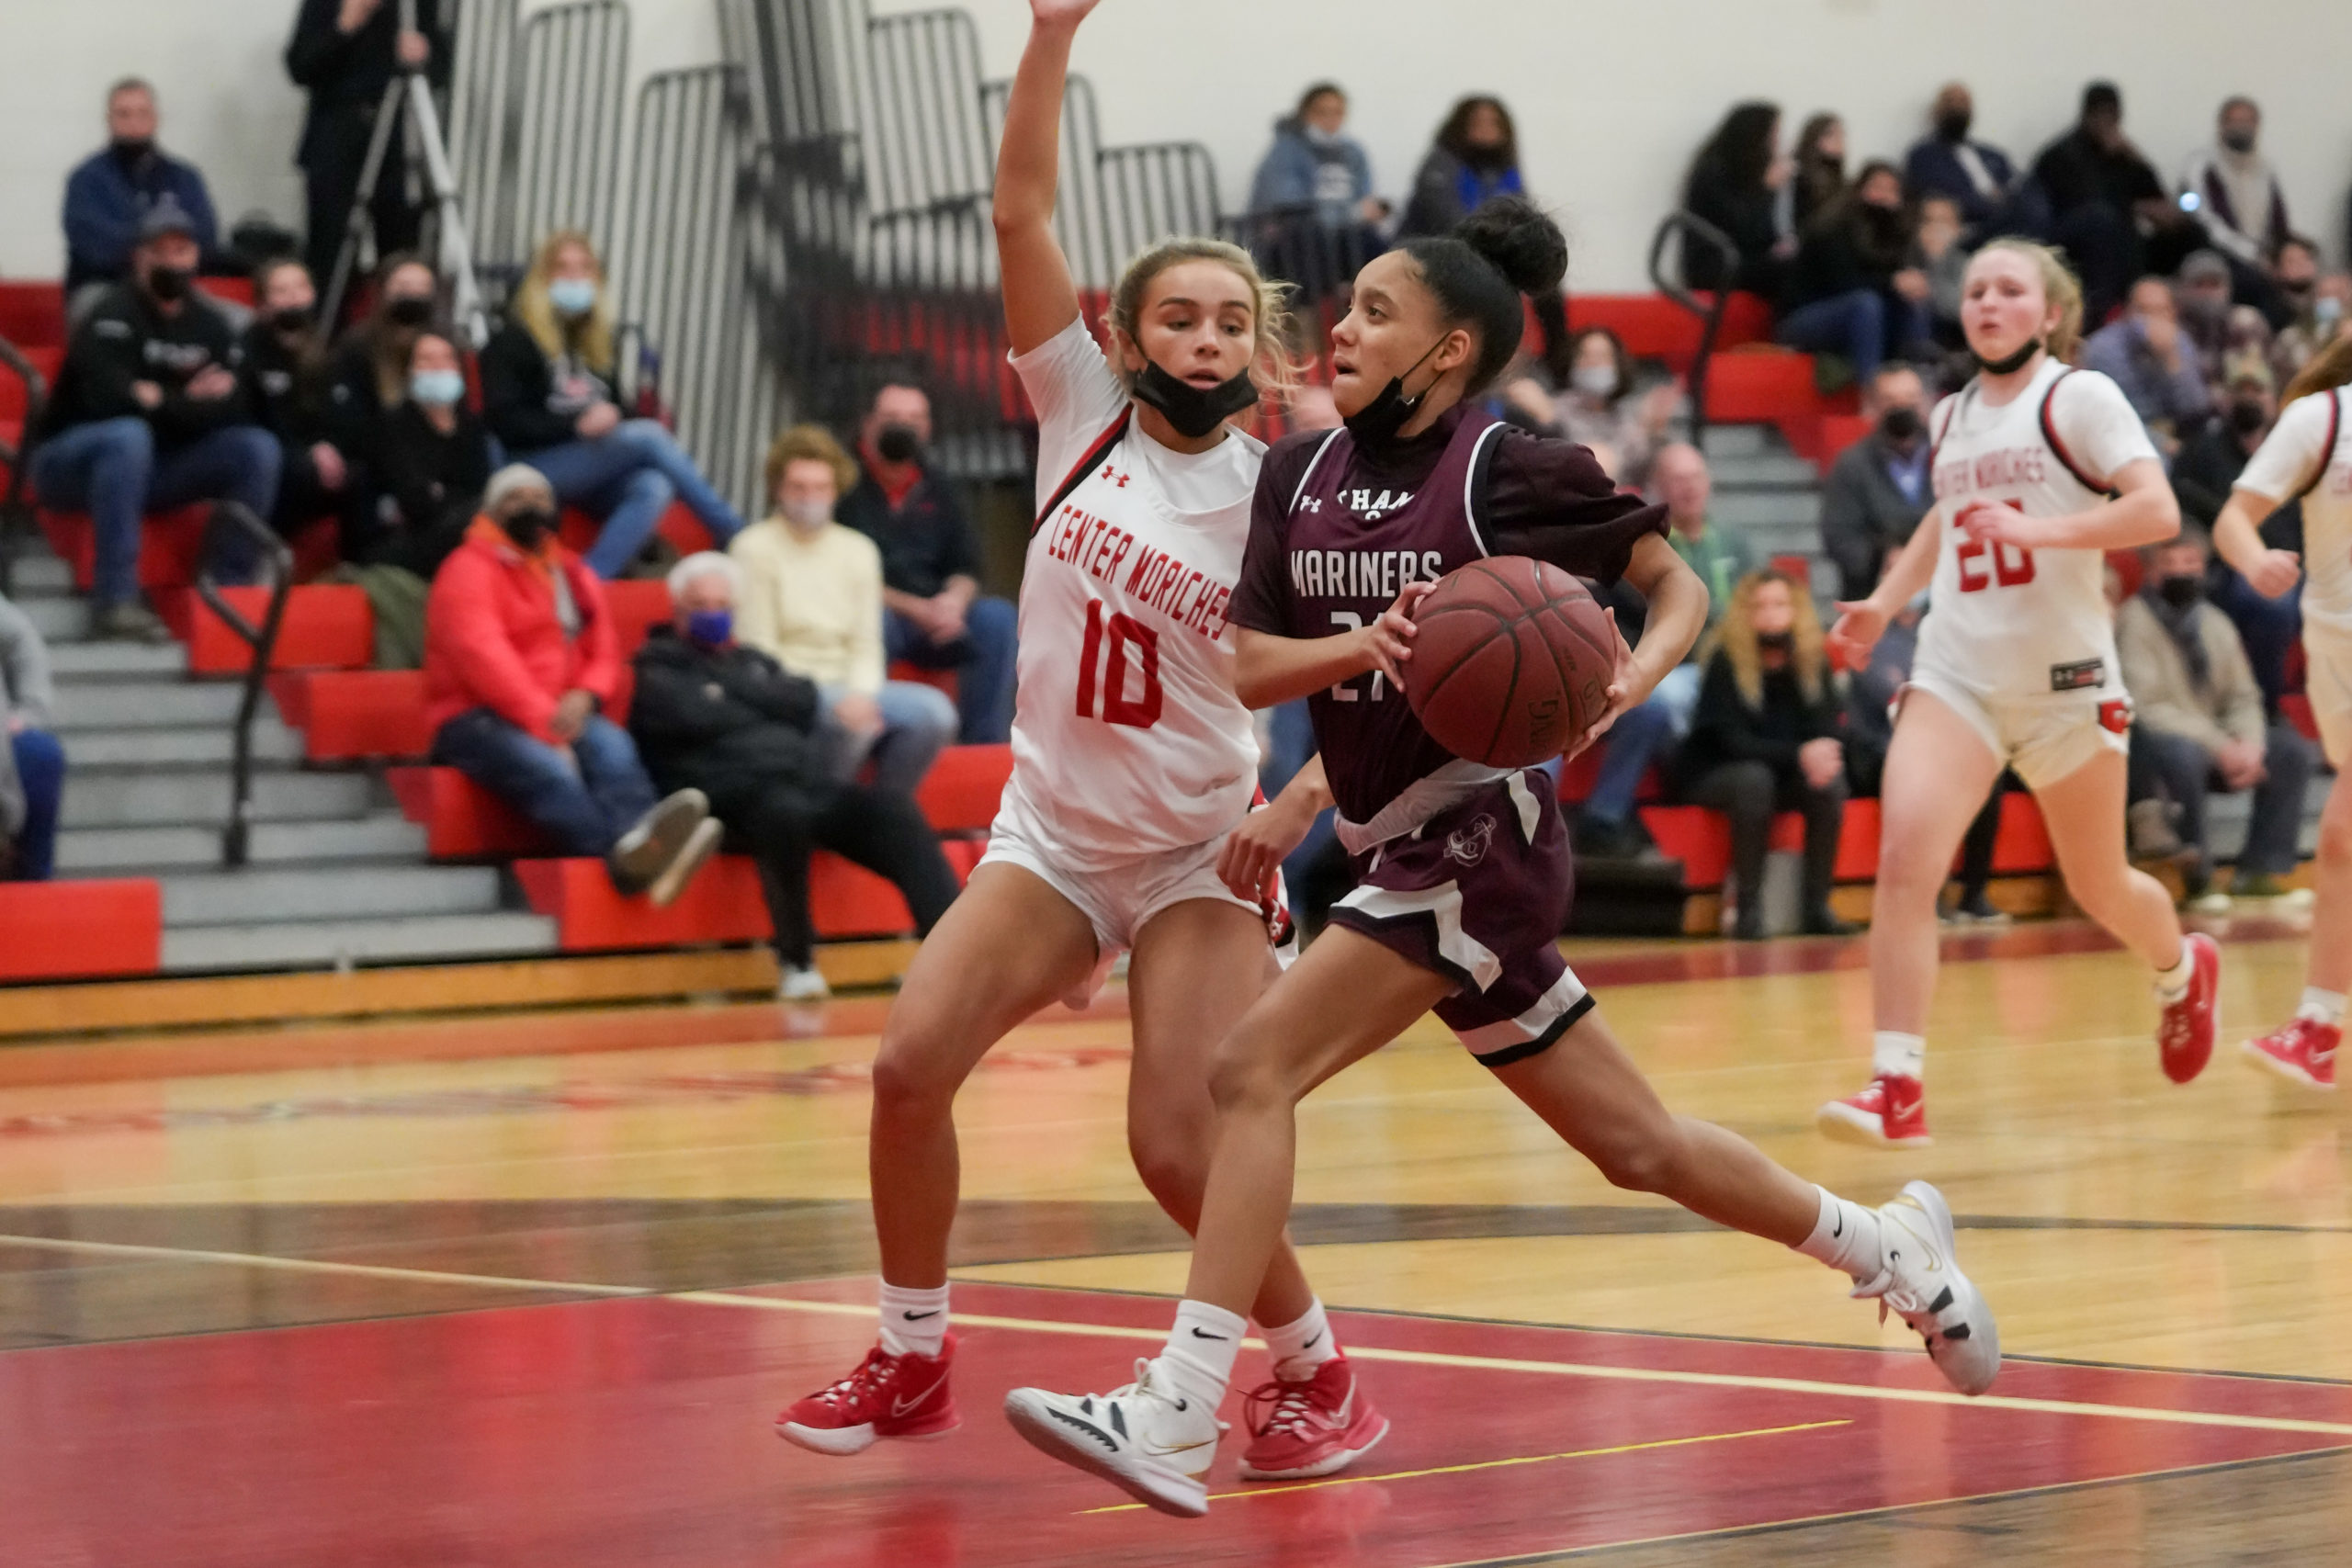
110 191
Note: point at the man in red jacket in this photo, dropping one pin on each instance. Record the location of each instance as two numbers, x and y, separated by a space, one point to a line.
519 655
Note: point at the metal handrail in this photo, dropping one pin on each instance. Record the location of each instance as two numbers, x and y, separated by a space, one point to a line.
1689 226
262 640
18 457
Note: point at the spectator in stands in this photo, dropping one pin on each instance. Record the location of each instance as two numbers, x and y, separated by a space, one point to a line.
1877 488
548 392
2208 464
2148 355
109 193
285 377
1735 185
430 460
1315 215
1820 177
1474 159
1976 176
344 52
370 368
32 763
2199 718
1607 826
2314 307
149 412
2202 293
2102 194
520 655
1764 738
715 715
2203 476
1600 407
1939 253
812 600
934 615
2240 202
1853 289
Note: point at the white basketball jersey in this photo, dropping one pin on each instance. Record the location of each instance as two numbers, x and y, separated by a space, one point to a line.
2310 454
1127 740
2011 622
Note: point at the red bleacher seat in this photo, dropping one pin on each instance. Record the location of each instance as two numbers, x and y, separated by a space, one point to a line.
171 545
14 399
960 793
462 820
1655 327
66 930
636 606
1760 386
346 715
938 680
1701 839
237 290
327 627
680 526
2295 708
32 313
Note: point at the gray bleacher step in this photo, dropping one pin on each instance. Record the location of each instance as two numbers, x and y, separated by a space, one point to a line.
39 576
273 742
199 797
1736 440
1749 509
1772 470
126 704
348 845
257 895
319 943
58 619
116 660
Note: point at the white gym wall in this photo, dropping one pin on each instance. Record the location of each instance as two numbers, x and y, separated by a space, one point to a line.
1611 99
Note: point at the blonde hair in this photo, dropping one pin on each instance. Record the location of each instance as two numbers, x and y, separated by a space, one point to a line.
2060 287
1735 638
589 339
2329 369
1276 368
810 443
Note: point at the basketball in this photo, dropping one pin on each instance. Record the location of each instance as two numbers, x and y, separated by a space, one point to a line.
1511 661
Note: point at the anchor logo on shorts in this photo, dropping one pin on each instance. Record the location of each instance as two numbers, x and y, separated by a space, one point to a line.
1468 843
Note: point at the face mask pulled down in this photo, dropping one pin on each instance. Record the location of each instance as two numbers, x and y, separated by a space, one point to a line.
1193 411
1380 420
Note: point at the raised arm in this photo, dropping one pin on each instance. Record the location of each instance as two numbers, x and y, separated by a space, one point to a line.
1039 299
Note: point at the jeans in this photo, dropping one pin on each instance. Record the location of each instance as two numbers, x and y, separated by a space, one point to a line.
584 800
110 468
626 479
1856 324
982 658
2268 627
1641 736
917 721
2273 835
41 771
779 825
1747 793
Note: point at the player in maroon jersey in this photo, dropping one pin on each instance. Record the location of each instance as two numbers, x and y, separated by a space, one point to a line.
1462 869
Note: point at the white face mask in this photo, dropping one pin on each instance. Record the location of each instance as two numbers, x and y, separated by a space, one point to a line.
1594 380
807 514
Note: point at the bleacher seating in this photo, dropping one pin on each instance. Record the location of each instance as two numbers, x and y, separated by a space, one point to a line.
74 931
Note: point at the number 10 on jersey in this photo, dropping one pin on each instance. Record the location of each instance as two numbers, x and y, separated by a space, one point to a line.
1115 645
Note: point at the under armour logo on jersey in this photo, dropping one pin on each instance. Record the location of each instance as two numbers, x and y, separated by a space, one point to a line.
1312 503
1468 843
1115 477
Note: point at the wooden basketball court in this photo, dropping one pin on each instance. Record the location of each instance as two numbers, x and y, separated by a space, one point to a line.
518 1290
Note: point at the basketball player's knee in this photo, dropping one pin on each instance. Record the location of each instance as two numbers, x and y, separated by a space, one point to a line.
1904 871
908 1081
1245 1079
1174 1165
1638 1159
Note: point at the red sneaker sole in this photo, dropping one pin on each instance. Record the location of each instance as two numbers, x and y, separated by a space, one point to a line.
1330 1466
2256 1057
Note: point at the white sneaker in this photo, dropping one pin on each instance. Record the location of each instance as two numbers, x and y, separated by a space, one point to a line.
1921 1279
1154 1446
801 984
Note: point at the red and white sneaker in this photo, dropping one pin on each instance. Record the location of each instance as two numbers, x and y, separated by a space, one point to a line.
2303 1051
1889 1114
2185 1037
887 1396
1314 1426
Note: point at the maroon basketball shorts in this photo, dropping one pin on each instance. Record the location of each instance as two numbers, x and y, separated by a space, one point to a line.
1478 894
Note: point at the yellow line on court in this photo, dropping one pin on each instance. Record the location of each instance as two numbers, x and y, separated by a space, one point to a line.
1495 1464
1155 1335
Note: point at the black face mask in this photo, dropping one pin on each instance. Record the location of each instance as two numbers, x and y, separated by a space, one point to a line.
1487 159
2297 288
168 283
2182 590
2238 141
129 150
1953 125
1193 411
1377 422
409 310
529 528
2015 361
1901 423
1776 642
903 443
293 318
2247 417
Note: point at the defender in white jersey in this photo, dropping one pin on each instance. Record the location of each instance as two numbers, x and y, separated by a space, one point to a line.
2308 456
1127 821
2039 469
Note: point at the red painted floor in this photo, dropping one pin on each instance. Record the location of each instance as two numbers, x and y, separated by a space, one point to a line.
637 1431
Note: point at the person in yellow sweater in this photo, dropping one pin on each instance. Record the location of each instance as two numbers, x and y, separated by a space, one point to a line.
812 600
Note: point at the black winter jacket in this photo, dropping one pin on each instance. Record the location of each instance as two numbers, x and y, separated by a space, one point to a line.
728 721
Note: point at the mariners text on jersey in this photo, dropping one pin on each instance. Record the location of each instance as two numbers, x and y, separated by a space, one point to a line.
1362 574
1157 579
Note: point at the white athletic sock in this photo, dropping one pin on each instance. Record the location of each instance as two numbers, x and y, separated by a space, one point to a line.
1895 1054
1297 1348
2328 1007
2173 984
914 1321
1846 1237
1198 1361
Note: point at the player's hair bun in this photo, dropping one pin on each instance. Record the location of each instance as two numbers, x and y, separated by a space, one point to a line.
1522 242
